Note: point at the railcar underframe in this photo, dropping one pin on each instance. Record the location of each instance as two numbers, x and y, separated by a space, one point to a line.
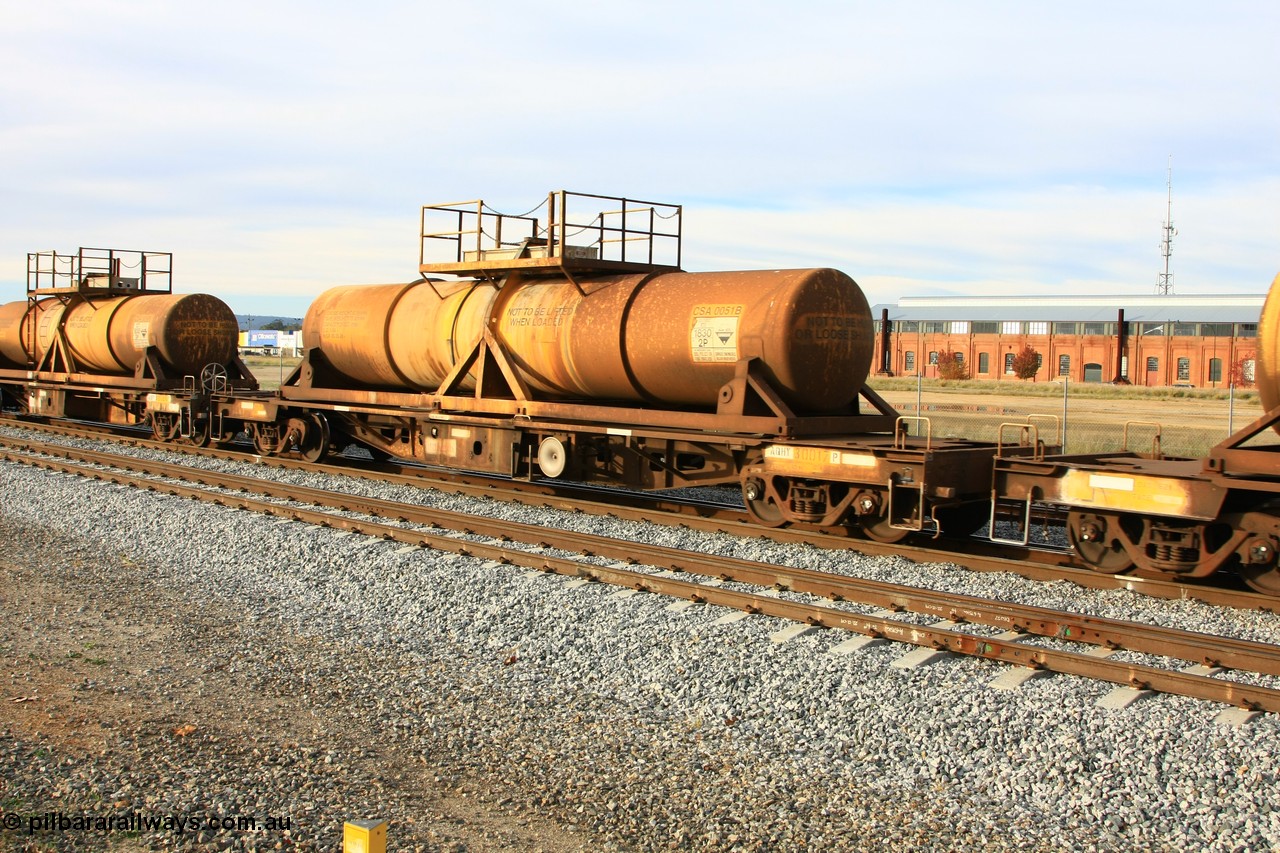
1159 515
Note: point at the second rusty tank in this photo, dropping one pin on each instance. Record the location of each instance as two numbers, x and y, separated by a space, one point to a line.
110 335
668 339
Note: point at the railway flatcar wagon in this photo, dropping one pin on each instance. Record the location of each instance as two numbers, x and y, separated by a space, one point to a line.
574 346
93 343
1143 511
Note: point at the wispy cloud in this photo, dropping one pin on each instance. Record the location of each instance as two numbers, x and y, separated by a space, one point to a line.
280 148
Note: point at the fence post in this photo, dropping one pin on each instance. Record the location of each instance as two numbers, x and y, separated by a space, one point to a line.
1231 407
919 413
1065 380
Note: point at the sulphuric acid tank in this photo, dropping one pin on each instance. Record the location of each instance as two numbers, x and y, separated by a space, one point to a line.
669 339
110 335
1268 366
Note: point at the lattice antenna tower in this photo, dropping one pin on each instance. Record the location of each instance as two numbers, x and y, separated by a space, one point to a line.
1164 285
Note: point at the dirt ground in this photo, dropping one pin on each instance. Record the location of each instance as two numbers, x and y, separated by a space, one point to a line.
108 705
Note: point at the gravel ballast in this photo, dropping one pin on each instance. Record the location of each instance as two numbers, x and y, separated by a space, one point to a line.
475 707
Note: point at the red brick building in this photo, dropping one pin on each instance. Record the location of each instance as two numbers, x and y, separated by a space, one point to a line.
1146 340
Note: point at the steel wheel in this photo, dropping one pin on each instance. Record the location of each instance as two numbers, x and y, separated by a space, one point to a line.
1264 579
199 434
1093 539
314 444
964 520
265 439
881 531
762 503
164 426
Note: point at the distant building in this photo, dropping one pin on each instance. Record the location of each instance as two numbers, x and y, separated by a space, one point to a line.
270 342
1145 340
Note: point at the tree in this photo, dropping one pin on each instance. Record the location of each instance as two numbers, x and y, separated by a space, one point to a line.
1242 371
1026 363
951 367
282 326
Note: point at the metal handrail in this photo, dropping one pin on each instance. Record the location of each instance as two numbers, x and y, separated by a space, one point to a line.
93 268
622 224
1156 451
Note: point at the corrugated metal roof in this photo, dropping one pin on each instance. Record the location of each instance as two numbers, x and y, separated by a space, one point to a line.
1203 308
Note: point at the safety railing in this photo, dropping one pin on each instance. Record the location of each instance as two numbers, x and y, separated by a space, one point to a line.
580 228
106 269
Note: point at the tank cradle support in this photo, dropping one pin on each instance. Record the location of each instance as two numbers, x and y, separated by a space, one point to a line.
1232 458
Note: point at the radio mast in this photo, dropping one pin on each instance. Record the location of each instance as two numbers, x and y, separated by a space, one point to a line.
1164 285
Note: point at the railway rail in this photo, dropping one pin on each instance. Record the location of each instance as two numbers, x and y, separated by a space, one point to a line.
1021 624
972 554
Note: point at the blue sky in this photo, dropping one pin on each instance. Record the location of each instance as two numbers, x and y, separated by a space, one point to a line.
280 148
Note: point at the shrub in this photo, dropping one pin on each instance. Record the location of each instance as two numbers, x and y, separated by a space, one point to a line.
1026 363
1239 377
950 367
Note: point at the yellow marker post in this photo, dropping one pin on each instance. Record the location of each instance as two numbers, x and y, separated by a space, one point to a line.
364 836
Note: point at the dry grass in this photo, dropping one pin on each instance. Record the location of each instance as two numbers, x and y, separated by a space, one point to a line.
1096 390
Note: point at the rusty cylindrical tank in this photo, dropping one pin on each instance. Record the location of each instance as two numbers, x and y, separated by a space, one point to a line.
110 335
1268 366
669 339
398 335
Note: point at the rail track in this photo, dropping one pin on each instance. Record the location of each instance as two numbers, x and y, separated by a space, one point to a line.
1022 629
971 553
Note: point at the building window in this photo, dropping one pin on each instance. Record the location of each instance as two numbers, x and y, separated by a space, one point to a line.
935 327
933 357
959 327
1246 330
1065 329
1215 330
1147 329
959 359
908 325
1184 330
1184 370
1039 362
1011 327
1064 365
1008 362
1215 369
1124 367
1153 364
985 328
1095 329
908 362
984 362
1246 370
1037 328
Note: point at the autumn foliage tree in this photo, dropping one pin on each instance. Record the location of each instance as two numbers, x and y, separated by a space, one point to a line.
1026 363
1242 372
951 367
